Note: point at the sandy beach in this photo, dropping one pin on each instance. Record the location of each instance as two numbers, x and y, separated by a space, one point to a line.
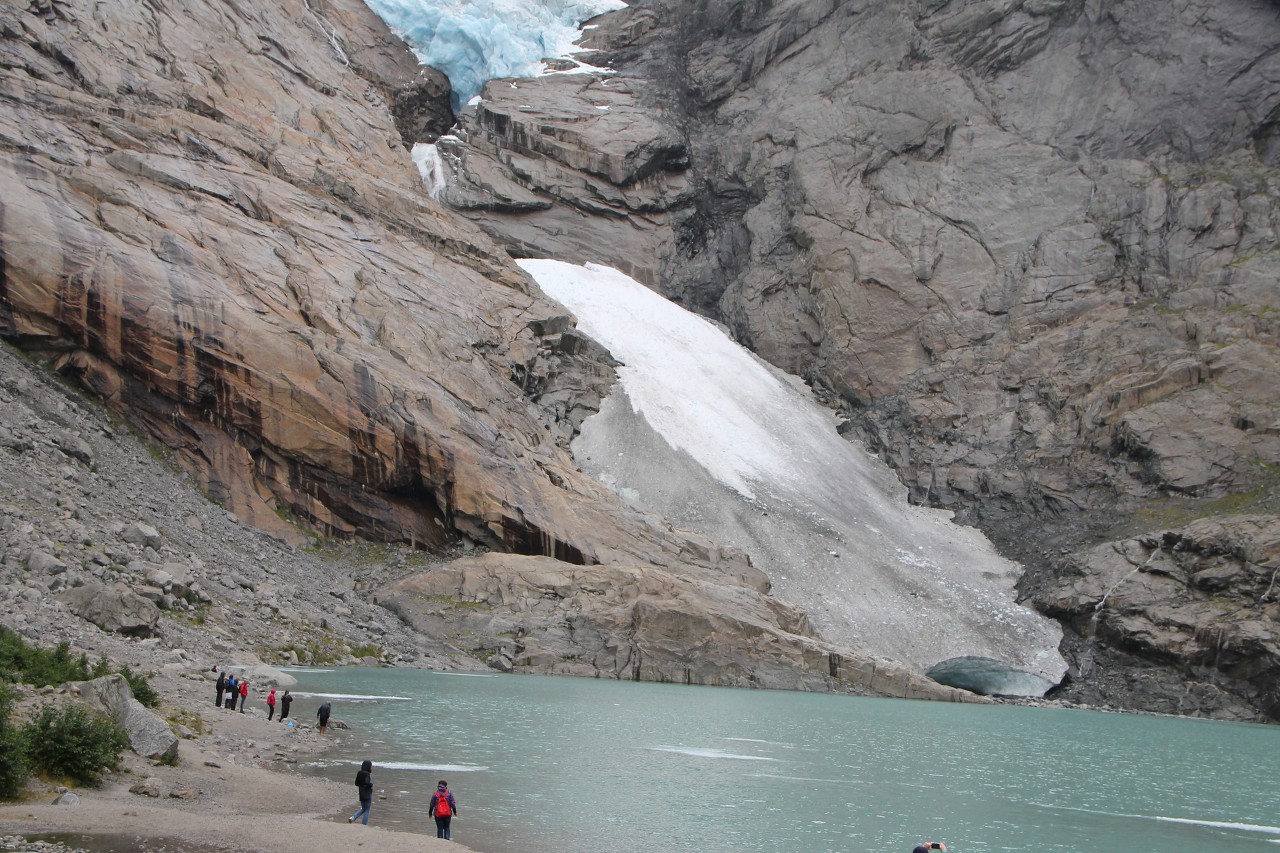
231 790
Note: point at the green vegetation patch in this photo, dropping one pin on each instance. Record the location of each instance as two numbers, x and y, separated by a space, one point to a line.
22 662
72 743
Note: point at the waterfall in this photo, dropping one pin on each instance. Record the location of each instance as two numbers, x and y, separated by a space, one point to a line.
427 158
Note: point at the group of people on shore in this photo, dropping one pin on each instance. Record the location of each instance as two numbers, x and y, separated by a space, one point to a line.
443 805
442 808
236 691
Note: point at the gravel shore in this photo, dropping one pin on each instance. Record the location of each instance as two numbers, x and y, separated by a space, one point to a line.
231 789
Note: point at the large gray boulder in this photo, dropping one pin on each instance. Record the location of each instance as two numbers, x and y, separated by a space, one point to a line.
149 735
269 676
113 608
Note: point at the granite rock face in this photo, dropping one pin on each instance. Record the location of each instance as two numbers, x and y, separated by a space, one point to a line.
211 220
1032 259
1205 596
1028 250
226 239
637 622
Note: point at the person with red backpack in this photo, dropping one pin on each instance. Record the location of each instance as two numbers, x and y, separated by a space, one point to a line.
443 808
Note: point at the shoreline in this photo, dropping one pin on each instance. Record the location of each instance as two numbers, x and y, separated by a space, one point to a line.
231 790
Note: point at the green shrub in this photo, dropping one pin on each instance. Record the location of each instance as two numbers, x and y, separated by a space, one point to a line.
13 771
36 666
40 667
141 687
71 743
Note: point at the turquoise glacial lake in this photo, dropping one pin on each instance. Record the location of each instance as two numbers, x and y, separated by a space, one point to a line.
542 764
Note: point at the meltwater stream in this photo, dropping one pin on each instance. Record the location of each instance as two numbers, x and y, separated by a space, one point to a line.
544 764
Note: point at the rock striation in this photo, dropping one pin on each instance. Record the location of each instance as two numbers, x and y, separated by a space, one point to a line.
226 239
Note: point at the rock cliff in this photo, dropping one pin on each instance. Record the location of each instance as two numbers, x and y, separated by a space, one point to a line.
1027 249
209 217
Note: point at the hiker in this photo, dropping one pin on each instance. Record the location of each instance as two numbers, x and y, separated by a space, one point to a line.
232 693
285 701
443 808
322 714
929 845
271 704
244 693
221 687
364 782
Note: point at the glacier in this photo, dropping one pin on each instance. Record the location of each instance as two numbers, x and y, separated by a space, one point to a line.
701 431
475 41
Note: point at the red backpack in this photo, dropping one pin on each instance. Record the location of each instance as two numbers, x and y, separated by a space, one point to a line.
442 804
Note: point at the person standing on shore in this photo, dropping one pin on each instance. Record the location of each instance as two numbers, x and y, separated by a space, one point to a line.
285 701
443 808
364 782
244 692
221 687
271 704
232 693
322 714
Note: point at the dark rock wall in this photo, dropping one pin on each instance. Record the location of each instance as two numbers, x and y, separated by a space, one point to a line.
1029 249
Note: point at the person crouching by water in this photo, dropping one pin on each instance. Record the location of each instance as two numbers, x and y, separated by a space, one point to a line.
364 782
929 845
443 808
322 715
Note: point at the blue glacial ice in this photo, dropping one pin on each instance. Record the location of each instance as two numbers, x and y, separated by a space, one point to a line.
474 41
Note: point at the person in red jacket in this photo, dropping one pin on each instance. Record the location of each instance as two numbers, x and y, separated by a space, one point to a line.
244 692
443 808
271 704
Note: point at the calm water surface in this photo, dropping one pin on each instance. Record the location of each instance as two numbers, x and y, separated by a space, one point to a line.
541 764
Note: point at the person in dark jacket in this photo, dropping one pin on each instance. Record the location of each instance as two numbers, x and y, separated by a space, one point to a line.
928 846
285 701
233 693
322 714
364 782
443 808
221 687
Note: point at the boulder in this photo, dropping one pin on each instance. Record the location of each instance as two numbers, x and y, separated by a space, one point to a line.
42 562
149 787
149 735
143 535
113 608
269 676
